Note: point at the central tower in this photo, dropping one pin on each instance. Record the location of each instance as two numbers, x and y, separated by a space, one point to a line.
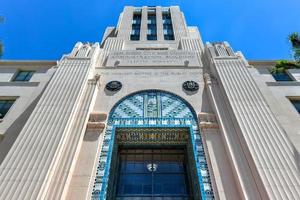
155 38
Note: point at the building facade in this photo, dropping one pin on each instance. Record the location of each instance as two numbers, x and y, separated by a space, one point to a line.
150 113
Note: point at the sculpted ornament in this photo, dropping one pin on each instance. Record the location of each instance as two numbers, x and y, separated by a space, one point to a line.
190 86
113 86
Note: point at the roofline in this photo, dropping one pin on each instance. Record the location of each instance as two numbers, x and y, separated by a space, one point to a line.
28 62
262 62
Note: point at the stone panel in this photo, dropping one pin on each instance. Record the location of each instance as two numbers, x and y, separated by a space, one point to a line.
152 58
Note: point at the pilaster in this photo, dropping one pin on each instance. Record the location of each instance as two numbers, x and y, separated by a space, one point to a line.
31 165
159 24
144 24
269 152
178 21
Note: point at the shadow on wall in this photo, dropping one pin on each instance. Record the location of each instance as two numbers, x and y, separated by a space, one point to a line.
297 158
189 93
221 161
110 93
13 131
206 104
92 135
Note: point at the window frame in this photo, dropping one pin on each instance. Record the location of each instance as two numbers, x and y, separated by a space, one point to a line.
8 98
168 30
291 78
20 71
152 26
152 152
292 99
136 26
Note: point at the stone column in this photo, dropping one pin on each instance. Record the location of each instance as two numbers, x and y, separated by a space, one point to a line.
159 24
144 24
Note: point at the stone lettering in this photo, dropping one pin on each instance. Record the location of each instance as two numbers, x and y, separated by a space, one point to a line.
152 58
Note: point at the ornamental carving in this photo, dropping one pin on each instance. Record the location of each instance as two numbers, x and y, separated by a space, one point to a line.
113 86
190 86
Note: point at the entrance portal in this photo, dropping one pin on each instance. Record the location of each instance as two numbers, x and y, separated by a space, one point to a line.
152 149
153 163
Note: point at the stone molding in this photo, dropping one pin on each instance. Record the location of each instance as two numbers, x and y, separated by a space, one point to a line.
208 121
97 121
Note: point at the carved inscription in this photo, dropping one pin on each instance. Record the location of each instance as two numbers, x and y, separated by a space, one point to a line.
152 135
148 73
152 58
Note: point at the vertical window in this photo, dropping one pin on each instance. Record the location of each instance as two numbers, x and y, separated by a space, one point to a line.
5 106
136 26
296 102
24 76
282 76
152 32
167 25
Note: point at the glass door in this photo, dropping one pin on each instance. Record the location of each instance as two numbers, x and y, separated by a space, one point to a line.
152 174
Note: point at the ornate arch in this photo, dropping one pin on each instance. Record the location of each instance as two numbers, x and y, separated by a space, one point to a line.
152 104
152 108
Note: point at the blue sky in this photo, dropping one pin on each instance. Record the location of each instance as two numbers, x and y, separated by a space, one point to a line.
46 29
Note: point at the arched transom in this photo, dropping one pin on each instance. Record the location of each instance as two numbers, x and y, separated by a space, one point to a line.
153 104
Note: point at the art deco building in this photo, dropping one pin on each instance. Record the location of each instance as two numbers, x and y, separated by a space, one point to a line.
150 113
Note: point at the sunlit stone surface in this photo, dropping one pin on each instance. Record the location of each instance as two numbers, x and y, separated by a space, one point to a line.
149 113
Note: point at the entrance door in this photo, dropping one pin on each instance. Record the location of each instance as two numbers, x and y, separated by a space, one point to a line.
152 174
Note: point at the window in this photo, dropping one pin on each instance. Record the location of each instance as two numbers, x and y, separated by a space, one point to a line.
151 37
167 26
134 37
23 76
154 174
282 76
136 26
152 32
151 19
296 102
5 105
137 9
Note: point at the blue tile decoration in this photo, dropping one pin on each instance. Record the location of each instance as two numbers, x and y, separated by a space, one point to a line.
152 109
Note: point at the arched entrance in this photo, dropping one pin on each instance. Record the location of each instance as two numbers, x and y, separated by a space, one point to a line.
144 128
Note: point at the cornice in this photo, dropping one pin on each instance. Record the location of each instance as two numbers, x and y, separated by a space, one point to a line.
48 63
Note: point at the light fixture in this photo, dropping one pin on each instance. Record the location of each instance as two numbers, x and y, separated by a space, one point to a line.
152 167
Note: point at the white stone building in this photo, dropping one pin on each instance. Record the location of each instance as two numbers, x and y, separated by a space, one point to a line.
150 113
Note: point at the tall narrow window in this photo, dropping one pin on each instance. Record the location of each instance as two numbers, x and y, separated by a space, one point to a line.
136 26
152 33
5 106
167 25
23 76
